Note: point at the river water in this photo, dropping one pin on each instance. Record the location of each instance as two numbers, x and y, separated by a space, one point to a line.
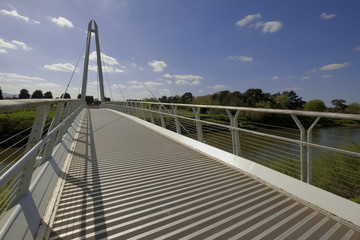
259 147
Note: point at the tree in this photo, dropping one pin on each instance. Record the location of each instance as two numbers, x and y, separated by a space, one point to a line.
65 96
1 96
353 108
255 97
339 104
281 101
24 94
203 100
37 94
48 94
89 100
163 99
174 99
294 101
221 98
186 98
315 105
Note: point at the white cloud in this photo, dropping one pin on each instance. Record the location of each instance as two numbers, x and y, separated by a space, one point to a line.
151 84
11 77
136 86
197 82
271 27
3 51
257 25
158 66
105 69
267 27
246 20
183 77
241 58
182 82
334 66
169 82
217 86
326 76
21 44
5 44
63 67
312 71
327 16
106 59
15 14
133 82
164 91
357 48
305 77
62 22
275 77
14 44
118 86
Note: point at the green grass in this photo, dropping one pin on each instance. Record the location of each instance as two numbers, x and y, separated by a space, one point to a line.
14 122
5 194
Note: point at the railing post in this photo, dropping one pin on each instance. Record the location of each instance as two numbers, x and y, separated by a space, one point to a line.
198 124
123 107
302 148
161 117
136 110
151 115
235 133
143 111
309 152
67 112
177 120
126 108
35 136
50 145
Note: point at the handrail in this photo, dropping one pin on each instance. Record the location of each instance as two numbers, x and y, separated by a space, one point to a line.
285 154
6 176
23 169
18 104
259 110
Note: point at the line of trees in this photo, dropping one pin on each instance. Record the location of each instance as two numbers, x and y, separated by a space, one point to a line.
256 98
25 94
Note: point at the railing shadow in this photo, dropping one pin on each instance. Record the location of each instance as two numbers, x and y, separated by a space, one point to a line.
89 162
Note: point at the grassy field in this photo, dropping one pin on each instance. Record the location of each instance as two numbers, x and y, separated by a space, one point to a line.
15 122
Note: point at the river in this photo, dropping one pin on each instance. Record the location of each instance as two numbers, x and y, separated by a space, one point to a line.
253 146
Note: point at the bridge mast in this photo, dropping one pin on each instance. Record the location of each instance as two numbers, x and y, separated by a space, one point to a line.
86 61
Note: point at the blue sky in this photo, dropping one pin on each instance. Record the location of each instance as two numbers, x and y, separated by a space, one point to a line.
173 46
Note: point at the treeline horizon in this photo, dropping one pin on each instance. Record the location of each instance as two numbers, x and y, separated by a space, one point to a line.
252 98
256 98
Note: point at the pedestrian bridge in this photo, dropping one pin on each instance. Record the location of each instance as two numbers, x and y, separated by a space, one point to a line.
133 170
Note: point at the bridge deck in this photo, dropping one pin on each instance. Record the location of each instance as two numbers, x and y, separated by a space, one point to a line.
126 181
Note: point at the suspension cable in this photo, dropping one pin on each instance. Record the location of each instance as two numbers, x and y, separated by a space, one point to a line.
73 72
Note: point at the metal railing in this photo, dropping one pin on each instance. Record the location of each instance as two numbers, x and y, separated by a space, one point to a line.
275 138
46 133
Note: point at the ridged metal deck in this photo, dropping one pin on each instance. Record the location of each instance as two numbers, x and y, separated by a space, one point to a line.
126 181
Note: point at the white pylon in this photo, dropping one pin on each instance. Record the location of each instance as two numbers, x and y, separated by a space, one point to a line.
86 61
